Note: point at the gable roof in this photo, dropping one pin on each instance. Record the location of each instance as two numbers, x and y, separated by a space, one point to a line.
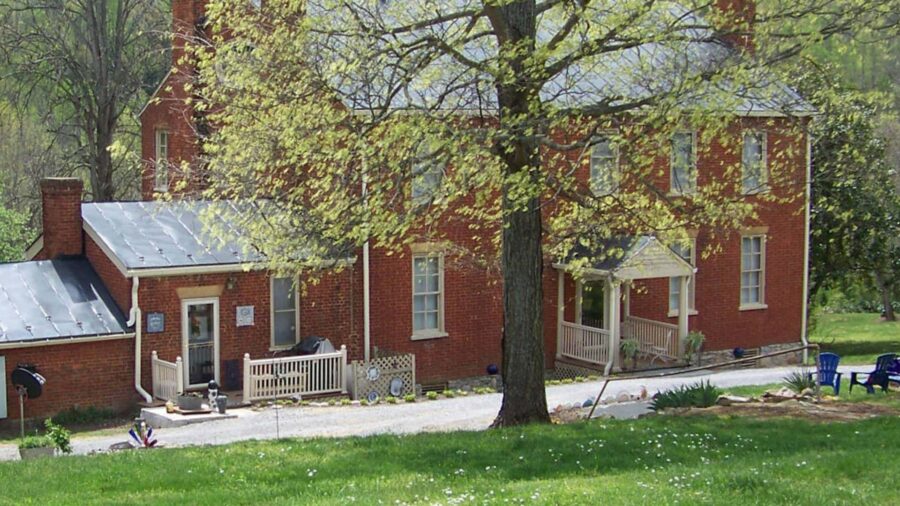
55 299
627 258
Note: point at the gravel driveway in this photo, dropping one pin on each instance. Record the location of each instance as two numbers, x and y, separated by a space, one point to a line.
474 412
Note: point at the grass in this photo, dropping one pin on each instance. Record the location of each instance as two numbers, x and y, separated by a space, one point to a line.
691 460
857 337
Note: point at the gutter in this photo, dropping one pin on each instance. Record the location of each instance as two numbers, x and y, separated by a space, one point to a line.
71 340
367 324
804 330
135 320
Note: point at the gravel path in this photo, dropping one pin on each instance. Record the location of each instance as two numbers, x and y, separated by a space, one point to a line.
474 412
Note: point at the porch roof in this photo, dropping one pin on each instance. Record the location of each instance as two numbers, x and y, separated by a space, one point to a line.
626 258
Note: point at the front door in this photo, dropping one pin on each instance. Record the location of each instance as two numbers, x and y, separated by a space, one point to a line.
200 335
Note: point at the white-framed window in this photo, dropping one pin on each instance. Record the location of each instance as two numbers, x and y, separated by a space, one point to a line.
428 295
427 176
754 169
683 164
753 271
285 312
604 166
689 254
161 162
256 4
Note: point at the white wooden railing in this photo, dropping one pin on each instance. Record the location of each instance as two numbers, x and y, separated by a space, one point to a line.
581 342
168 377
658 339
272 378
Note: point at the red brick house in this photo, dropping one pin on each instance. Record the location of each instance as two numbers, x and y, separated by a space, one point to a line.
167 288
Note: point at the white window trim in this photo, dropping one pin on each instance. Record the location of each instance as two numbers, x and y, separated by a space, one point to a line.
157 162
673 191
692 287
419 335
752 306
617 170
764 174
296 285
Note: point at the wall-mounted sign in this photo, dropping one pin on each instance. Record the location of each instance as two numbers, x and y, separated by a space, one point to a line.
244 316
156 322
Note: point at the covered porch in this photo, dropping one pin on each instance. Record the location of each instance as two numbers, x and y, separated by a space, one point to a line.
602 309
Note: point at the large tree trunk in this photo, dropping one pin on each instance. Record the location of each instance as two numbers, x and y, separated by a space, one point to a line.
886 299
524 397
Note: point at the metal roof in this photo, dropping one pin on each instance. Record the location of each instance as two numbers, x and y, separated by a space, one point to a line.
54 299
152 235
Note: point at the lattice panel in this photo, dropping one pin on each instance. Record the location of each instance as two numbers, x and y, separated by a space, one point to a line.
401 366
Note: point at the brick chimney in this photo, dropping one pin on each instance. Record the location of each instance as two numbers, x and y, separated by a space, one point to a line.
61 210
738 23
188 23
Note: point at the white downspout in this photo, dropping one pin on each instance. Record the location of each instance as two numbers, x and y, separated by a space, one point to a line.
367 333
135 320
804 337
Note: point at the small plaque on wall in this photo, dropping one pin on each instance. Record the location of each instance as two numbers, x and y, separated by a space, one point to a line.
156 322
244 316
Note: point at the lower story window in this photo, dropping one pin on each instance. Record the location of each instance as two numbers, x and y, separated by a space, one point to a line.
689 256
753 265
427 294
285 313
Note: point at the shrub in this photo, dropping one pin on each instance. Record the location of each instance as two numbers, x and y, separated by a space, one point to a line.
409 398
693 342
35 441
431 395
83 416
449 394
391 399
700 395
345 402
59 435
798 381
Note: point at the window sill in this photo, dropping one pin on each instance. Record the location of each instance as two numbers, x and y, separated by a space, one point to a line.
752 307
691 312
753 193
428 334
672 194
274 349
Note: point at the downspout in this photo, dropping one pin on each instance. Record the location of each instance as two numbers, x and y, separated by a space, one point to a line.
367 335
804 335
135 320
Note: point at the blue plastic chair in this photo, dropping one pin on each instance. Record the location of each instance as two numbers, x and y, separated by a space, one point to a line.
828 375
880 376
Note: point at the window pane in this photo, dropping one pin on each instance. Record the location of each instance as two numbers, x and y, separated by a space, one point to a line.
431 320
418 321
419 302
431 302
674 288
432 283
285 328
683 162
283 293
426 180
420 265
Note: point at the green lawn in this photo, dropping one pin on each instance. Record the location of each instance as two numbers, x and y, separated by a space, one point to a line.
857 337
689 460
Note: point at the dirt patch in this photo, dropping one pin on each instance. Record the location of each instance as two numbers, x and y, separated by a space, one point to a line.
816 412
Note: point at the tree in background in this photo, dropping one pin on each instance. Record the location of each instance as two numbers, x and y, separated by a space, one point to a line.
84 67
855 215
359 121
14 234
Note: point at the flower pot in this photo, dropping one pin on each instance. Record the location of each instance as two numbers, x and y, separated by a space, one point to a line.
190 402
36 453
221 403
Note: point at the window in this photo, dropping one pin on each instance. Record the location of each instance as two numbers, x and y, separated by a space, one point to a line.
754 173
426 180
689 254
428 305
161 162
683 173
285 313
604 167
753 271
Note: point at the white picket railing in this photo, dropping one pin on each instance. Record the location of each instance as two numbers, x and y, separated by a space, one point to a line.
657 339
272 378
581 342
168 377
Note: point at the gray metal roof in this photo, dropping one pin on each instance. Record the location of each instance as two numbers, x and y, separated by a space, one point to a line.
54 299
148 235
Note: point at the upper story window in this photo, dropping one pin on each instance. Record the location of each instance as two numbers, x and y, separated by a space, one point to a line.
683 165
426 181
689 254
754 172
285 313
427 294
256 4
753 271
604 166
161 162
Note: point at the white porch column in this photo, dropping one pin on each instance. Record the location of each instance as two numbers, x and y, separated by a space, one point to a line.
683 315
614 287
626 307
560 310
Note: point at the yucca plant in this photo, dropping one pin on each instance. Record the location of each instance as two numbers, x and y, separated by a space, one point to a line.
700 395
798 381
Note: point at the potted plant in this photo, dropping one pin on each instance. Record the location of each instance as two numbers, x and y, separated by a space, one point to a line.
630 349
57 439
692 344
190 402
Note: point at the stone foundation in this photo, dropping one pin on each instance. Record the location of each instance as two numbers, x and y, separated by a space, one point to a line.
470 384
718 356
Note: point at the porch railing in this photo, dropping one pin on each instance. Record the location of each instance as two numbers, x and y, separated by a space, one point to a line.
272 378
658 339
581 342
168 377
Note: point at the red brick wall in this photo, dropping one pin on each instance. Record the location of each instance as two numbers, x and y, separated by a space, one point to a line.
80 374
118 285
61 217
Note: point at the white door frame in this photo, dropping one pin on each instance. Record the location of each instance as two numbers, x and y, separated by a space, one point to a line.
185 334
3 411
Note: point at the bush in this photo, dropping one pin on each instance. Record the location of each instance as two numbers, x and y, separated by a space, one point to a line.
59 435
35 441
83 416
798 381
432 395
391 399
449 394
699 395
410 398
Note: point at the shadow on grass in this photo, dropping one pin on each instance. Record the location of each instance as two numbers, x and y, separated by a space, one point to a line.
857 348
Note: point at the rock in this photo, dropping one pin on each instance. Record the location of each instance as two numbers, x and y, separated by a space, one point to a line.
808 392
623 396
780 395
124 445
608 400
587 403
728 400
644 393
